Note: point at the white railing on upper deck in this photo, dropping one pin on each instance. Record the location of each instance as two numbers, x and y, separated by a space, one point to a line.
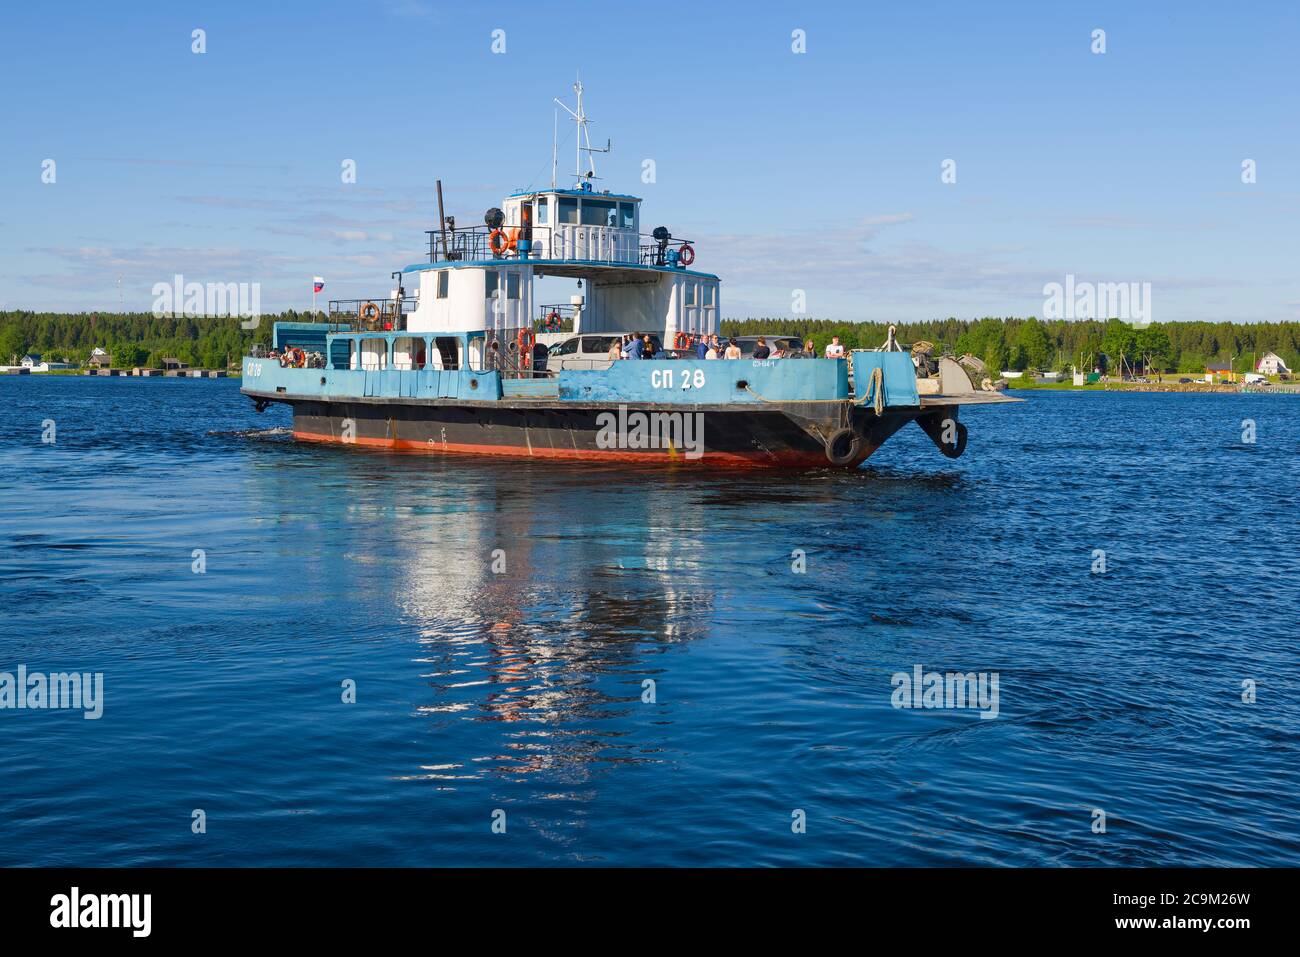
589 243
567 241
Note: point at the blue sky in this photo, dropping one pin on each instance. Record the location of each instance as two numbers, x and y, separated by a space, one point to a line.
817 171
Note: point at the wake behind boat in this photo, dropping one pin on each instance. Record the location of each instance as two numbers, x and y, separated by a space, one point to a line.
474 362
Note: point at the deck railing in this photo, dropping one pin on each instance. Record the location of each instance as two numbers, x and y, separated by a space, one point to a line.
573 242
345 315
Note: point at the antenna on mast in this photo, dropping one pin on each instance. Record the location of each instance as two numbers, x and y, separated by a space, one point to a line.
555 135
584 134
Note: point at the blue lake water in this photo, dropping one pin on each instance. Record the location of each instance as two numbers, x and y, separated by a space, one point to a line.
522 692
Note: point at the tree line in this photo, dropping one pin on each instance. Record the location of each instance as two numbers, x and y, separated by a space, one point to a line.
143 339
1058 345
132 339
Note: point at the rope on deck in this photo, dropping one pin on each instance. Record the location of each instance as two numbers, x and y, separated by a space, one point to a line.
876 388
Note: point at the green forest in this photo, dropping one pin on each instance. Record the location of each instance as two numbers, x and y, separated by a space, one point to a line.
132 339
1058 345
143 339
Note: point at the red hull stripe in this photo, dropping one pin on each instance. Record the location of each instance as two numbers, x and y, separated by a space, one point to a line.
655 457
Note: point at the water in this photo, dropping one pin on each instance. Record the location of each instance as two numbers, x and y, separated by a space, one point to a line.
522 692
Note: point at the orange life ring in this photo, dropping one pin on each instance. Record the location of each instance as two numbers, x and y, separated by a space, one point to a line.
686 255
368 312
499 242
681 340
525 340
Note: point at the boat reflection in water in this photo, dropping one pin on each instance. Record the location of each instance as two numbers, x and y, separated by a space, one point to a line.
550 629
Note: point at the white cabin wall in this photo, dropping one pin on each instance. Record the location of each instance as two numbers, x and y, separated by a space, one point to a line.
467 307
506 313
663 307
626 308
695 305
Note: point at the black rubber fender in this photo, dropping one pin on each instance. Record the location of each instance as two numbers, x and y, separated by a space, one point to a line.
843 447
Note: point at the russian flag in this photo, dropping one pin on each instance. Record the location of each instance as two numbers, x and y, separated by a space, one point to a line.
317 284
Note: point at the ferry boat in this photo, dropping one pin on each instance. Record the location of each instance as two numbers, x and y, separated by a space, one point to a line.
470 360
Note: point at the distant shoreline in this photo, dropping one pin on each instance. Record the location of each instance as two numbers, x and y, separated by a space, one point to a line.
1201 388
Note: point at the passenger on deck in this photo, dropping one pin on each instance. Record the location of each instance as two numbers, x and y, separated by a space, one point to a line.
647 348
632 348
733 350
616 348
761 351
701 347
716 345
809 350
712 352
835 350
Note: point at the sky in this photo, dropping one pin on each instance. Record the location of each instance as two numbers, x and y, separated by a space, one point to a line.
815 173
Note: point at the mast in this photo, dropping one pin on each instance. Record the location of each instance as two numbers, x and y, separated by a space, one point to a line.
584 135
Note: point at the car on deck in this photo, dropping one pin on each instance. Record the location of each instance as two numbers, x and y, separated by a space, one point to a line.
587 352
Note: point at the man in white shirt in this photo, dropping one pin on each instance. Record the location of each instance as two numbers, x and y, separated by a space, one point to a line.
835 350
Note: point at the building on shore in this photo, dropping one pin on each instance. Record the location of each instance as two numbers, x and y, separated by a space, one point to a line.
1271 364
1219 372
99 359
32 362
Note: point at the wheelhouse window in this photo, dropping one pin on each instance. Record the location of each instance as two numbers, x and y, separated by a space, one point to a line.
568 211
543 211
691 295
598 212
710 294
491 282
627 215
443 280
512 285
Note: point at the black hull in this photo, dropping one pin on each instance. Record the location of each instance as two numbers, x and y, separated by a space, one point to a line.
791 435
